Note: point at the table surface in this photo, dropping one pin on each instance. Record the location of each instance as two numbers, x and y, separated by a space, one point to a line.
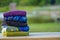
37 35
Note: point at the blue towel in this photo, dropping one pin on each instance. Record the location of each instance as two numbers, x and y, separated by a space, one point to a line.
25 29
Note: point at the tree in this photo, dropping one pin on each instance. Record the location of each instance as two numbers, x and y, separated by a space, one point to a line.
16 1
7 2
53 2
42 2
29 2
4 2
57 2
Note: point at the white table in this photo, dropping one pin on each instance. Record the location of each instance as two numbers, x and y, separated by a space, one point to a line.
38 35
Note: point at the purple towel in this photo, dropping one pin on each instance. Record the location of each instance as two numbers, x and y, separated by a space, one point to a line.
15 13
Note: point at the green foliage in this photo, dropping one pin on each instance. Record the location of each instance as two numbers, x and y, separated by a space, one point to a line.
57 2
43 2
0 22
16 1
4 9
27 2
4 3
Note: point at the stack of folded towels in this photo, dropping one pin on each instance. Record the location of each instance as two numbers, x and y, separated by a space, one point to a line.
17 23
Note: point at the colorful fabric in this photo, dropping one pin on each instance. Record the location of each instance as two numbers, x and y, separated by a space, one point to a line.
16 18
17 29
16 33
15 13
16 23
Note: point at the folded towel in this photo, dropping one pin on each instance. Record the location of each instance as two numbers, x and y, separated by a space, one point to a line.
12 23
12 29
16 18
16 34
15 13
17 29
24 29
20 19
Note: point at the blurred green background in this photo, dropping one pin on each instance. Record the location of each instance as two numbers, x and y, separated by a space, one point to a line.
43 15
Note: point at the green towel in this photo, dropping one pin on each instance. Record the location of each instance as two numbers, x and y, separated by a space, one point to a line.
12 29
17 34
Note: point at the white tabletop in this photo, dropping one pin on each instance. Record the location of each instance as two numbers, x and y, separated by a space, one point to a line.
37 35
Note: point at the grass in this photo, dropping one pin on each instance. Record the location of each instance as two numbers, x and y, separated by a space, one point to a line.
45 27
